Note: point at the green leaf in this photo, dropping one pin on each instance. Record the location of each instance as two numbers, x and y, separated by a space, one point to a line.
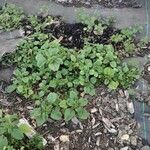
109 72
93 80
83 102
56 114
20 89
17 134
89 90
63 104
73 58
41 60
106 82
113 85
125 68
3 142
24 128
69 114
82 113
92 72
2 130
11 88
40 120
71 102
52 97
73 95
54 66
113 64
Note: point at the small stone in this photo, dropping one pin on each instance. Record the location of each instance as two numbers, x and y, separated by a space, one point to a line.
94 110
125 137
148 68
133 140
124 148
145 148
64 138
75 120
29 107
51 138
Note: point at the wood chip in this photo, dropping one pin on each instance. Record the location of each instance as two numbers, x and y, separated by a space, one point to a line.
108 123
130 107
93 110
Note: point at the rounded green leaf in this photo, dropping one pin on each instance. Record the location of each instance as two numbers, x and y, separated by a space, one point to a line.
56 114
52 97
41 60
63 104
83 102
113 85
82 113
69 114
73 58
3 142
17 134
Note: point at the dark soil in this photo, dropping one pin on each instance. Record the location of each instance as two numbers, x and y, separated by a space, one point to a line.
105 3
73 35
92 134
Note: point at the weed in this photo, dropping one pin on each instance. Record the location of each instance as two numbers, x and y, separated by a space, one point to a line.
126 37
55 76
10 17
12 137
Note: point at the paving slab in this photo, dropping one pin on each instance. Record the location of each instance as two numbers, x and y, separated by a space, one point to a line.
9 41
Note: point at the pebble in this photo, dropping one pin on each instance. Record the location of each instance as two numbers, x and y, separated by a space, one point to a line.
75 120
125 137
148 68
51 138
29 107
93 110
124 148
133 140
64 138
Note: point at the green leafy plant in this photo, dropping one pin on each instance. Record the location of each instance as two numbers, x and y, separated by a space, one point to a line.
10 17
93 24
51 74
126 38
36 23
12 137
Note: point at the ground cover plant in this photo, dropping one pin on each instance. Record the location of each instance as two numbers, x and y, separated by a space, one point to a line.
12 137
10 17
58 63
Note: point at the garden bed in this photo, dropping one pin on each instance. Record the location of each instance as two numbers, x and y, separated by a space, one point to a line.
106 122
105 3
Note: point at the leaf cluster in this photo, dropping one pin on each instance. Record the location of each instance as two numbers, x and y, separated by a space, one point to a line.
10 17
48 72
12 137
